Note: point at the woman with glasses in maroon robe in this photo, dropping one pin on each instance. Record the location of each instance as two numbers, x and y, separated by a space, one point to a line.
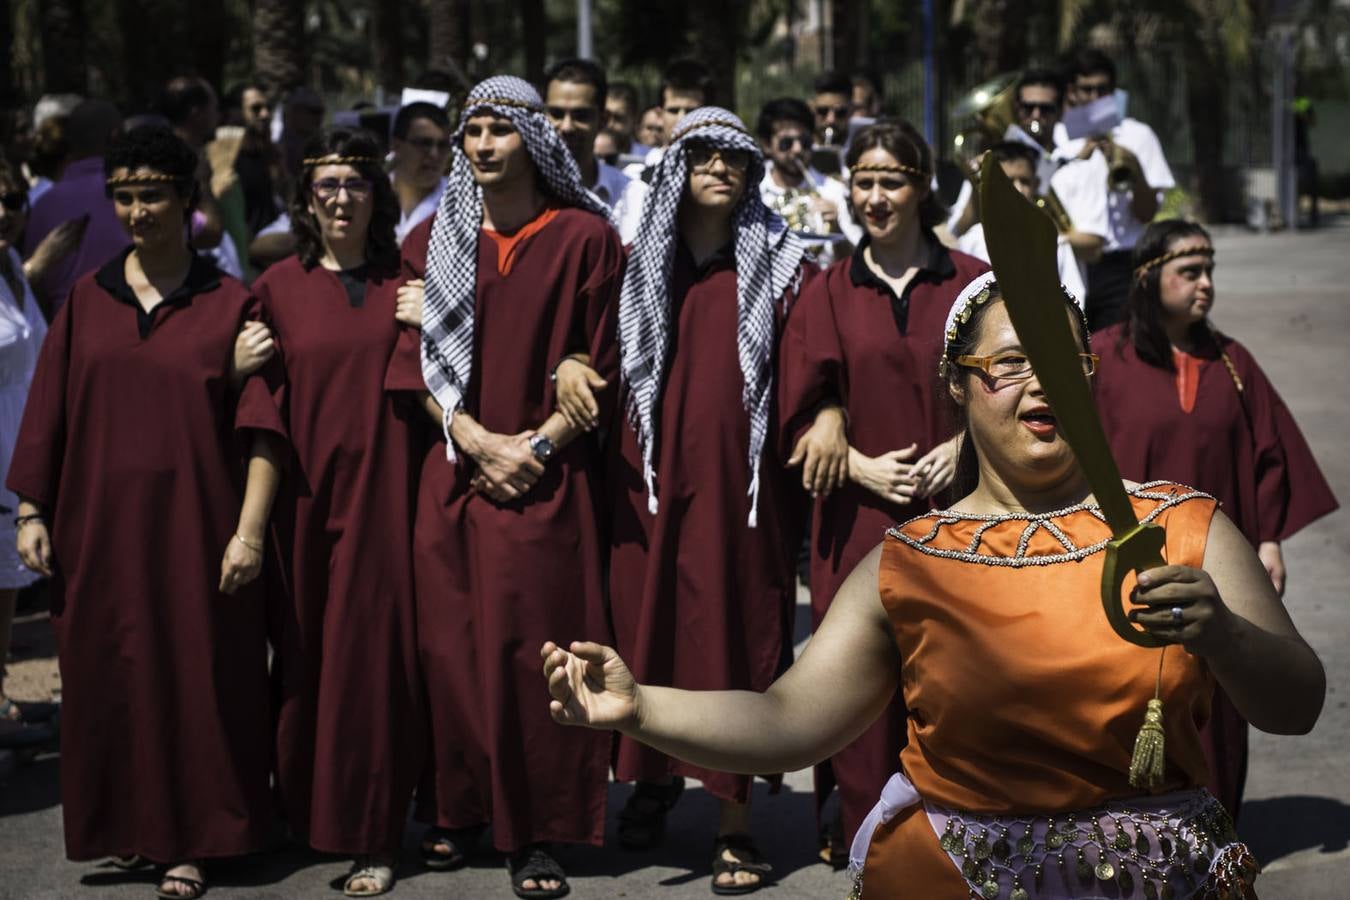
349 721
1183 402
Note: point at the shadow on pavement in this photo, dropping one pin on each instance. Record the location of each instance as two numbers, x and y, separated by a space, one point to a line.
32 787
1278 826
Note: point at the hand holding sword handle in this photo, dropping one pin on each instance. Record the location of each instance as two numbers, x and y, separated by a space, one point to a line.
1137 551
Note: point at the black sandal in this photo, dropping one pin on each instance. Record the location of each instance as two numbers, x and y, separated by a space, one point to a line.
833 850
461 840
642 821
535 864
748 859
196 887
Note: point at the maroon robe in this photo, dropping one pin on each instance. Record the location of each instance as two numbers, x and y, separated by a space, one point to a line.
846 344
130 441
1244 449
700 600
495 581
350 727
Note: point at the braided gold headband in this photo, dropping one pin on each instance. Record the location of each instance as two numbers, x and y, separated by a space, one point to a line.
1171 255
709 123
898 167
334 160
147 178
502 101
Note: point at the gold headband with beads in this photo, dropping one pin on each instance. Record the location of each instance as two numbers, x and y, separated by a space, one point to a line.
1165 258
709 123
897 167
501 101
334 160
961 317
147 178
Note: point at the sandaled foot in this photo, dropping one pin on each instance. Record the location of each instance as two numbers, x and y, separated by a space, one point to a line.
833 850
129 862
443 849
370 877
642 821
182 882
738 866
536 875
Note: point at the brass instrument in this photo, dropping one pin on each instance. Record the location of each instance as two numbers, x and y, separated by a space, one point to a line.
797 206
1050 204
981 119
1121 174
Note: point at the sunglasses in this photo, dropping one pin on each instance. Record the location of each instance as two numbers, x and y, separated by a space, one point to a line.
14 202
840 112
1045 109
701 157
328 188
788 141
1093 90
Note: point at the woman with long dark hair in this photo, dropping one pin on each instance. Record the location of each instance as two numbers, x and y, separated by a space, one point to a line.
137 502
860 402
349 726
1183 401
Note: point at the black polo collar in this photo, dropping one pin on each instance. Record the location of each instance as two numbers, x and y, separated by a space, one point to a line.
724 255
202 277
937 268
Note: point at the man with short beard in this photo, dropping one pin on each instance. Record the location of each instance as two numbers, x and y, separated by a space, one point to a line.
522 268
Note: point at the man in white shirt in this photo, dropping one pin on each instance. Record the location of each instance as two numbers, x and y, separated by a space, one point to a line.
574 100
1136 172
810 202
1018 162
420 145
621 117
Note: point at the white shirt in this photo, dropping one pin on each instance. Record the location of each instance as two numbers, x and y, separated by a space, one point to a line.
1070 275
420 213
622 194
1124 229
832 192
1081 187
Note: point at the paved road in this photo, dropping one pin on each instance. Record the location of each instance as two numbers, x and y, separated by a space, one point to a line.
1288 298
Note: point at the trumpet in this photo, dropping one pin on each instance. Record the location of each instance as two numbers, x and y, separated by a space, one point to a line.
1050 204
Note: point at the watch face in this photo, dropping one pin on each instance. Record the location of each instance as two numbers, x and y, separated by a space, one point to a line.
542 446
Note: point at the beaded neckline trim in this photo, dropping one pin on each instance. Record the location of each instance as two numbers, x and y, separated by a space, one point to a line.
1035 522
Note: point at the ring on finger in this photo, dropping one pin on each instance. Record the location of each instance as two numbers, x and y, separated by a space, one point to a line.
1177 613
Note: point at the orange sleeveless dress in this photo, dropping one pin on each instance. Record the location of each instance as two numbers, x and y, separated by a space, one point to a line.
1023 702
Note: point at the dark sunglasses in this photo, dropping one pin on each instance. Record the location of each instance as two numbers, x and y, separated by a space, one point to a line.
840 112
702 156
1045 109
788 141
1094 90
14 202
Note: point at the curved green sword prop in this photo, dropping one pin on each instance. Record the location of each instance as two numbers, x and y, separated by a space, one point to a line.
1021 242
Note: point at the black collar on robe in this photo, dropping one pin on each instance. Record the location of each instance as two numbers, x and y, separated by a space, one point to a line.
202 277
723 257
937 269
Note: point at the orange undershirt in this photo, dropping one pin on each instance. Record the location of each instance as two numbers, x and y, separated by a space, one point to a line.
1188 377
507 244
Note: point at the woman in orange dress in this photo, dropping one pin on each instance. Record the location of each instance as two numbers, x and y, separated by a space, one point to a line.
1023 703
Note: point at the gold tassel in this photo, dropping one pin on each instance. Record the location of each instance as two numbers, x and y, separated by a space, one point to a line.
1147 764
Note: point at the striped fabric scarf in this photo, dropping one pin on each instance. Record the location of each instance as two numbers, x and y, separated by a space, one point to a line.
768 262
452 255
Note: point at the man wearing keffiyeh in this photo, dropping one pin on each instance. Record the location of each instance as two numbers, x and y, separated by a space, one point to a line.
704 526
522 268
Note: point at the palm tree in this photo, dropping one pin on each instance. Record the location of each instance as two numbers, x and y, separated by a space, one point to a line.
63 47
279 43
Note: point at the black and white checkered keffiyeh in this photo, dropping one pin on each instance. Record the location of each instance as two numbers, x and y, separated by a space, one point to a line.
452 255
768 261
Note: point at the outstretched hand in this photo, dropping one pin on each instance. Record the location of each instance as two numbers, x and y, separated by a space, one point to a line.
590 685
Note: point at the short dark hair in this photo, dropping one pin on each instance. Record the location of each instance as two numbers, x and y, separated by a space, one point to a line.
622 90
902 141
234 97
832 82
1043 78
783 109
412 112
1144 327
90 127
1013 151
1089 61
579 71
381 246
687 75
182 95
158 149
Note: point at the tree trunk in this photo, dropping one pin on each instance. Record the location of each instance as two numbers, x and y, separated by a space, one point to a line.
1205 77
386 40
279 43
63 50
719 47
534 26
447 33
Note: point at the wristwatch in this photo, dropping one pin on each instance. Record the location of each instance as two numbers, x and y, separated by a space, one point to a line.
542 448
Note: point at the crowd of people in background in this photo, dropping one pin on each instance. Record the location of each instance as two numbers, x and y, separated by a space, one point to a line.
428 387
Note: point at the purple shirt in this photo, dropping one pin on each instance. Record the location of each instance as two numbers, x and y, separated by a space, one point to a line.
79 192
